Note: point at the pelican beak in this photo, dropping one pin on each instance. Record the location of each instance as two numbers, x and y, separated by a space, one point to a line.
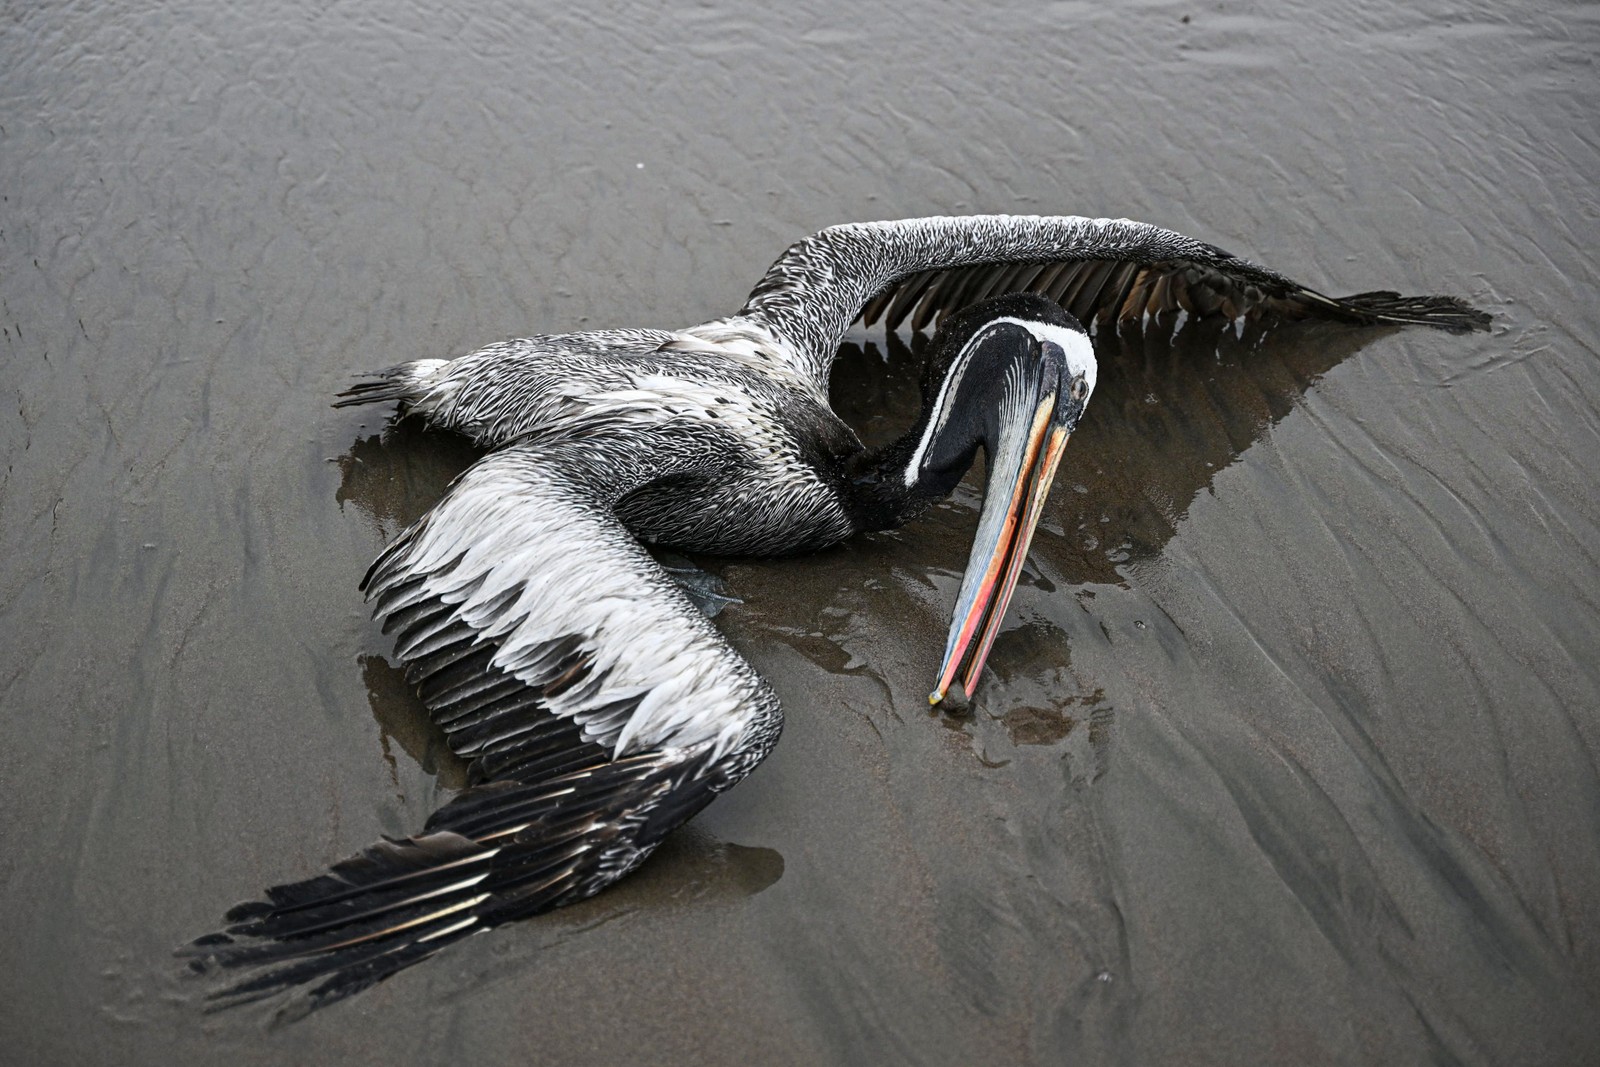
1019 480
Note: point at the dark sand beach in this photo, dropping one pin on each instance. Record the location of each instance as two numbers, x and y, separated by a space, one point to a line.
1287 755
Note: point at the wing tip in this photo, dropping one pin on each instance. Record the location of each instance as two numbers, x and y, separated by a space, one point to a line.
399 902
1448 313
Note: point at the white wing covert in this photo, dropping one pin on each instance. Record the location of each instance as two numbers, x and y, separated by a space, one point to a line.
522 607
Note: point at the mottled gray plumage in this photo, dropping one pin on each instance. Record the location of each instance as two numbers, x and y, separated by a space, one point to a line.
599 708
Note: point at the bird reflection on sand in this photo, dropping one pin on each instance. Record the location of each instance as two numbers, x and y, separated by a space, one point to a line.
1180 405
1174 406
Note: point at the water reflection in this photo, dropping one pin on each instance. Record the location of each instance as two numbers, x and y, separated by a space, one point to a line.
404 721
395 475
1037 726
1174 405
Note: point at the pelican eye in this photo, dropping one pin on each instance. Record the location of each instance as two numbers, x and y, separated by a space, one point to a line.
1080 388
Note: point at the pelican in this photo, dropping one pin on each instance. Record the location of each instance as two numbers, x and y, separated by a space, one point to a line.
598 707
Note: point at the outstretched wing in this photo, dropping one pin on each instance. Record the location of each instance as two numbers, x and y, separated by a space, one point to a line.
599 709
1100 270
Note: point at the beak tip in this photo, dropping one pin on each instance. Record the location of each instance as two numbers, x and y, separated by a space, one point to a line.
1011 511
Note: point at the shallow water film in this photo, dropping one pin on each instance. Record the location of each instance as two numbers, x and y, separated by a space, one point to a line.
1287 754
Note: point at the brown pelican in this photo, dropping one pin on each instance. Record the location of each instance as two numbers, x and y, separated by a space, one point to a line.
598 707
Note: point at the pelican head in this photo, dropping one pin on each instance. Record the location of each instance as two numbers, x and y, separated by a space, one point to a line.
1013 376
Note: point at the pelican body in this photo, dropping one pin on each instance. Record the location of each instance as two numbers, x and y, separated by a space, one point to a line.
598 706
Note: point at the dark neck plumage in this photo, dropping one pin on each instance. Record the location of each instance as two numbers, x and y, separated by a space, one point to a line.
875 489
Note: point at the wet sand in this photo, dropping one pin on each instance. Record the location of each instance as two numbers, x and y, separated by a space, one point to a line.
1287 755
